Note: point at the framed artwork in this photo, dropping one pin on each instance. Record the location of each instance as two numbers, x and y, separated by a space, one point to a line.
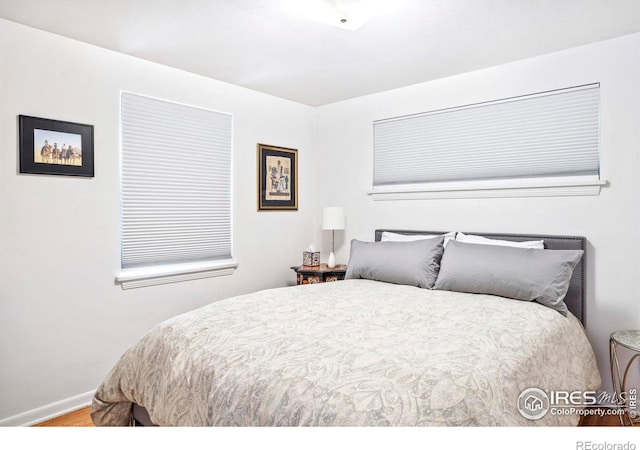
53 147
277 178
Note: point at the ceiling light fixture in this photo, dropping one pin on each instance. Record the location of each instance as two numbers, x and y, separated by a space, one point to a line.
346 14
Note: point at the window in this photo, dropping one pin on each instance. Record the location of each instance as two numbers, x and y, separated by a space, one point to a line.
175 192
540 140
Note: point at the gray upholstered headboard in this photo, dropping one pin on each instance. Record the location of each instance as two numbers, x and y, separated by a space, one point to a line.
576 295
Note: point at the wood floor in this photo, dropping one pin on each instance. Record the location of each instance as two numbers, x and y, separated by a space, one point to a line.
599 421
81 418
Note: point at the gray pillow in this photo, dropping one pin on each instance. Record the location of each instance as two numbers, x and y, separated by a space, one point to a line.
526 274
413 263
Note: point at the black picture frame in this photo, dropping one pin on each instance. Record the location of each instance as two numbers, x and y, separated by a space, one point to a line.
72 156
277 178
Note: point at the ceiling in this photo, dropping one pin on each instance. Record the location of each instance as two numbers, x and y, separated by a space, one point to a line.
265 45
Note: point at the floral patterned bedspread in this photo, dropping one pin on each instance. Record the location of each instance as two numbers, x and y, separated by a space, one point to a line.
350 353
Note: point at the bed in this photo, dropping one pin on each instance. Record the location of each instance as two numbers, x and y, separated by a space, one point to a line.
358 352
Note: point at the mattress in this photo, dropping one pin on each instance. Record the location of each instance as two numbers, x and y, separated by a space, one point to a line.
350 353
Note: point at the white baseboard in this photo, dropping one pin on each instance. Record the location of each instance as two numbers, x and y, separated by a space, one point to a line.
49 411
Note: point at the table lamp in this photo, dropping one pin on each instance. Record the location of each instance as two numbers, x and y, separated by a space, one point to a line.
332 219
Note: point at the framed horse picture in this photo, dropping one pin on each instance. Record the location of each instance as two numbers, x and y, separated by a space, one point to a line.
54 147
277 178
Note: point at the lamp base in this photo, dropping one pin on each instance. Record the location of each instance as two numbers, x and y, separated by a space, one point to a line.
331 263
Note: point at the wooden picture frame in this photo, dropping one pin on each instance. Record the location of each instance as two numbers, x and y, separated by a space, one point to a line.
54 147
277 178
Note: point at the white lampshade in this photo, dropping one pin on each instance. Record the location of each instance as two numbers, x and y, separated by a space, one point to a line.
333 218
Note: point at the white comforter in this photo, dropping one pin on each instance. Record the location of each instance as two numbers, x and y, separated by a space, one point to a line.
350 353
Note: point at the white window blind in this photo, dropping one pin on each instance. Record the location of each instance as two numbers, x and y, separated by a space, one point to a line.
176 183
550 134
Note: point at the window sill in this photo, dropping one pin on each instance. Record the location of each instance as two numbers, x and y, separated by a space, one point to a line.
491 189
173 273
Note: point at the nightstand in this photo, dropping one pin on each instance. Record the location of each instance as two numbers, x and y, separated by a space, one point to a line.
319 274
627 400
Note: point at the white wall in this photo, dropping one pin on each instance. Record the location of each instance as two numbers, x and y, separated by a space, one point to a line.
610 221
63 320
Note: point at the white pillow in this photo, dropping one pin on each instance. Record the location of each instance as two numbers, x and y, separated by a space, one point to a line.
473 239
388 236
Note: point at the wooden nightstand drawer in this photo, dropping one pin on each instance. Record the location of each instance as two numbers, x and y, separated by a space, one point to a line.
319 274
